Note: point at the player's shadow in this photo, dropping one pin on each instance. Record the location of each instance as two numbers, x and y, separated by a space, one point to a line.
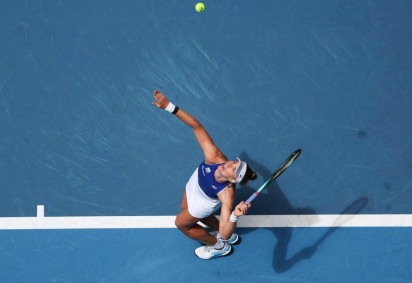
274 202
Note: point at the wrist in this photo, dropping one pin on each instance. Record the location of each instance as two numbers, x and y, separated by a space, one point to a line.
171 108
233 218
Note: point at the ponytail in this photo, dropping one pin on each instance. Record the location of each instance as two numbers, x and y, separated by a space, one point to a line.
249 175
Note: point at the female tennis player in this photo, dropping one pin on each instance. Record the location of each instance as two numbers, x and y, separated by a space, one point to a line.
212 186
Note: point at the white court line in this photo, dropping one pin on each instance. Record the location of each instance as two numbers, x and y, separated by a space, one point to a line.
248 221
40 211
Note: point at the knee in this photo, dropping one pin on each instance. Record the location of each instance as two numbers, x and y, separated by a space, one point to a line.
183 226
179 224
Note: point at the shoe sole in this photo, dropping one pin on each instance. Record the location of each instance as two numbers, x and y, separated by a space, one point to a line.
224 254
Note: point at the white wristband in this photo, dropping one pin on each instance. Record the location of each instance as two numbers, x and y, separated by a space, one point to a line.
233 218
170 107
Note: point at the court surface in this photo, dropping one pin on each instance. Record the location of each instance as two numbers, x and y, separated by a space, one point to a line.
91 174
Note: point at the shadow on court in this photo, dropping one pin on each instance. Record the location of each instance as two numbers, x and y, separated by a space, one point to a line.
274 202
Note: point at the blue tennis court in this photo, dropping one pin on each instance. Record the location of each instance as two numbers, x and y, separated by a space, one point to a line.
80 138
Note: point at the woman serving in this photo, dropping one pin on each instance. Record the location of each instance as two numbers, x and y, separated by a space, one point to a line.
211 186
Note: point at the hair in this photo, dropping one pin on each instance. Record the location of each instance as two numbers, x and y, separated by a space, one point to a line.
249 175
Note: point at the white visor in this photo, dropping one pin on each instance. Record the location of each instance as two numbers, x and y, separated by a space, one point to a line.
240 170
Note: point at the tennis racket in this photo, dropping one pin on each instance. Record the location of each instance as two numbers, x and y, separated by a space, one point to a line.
276 174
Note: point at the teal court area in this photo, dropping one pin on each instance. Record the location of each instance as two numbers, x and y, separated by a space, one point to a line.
80 139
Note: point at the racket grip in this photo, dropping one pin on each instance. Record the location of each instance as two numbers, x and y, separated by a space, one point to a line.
251 198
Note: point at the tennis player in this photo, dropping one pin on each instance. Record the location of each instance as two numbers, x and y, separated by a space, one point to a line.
212 186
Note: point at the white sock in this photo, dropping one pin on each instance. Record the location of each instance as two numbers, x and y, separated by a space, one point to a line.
219 245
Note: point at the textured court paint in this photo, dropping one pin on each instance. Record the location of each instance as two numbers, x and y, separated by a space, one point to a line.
248 221
265 255
79 134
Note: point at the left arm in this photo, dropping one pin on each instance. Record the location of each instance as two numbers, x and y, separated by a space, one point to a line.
226 226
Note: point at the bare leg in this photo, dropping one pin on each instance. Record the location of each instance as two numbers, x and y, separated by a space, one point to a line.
188 225
212 222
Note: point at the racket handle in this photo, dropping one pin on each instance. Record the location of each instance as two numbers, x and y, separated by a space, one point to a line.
252 197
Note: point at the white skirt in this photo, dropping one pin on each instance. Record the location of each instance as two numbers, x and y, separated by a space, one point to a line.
199 204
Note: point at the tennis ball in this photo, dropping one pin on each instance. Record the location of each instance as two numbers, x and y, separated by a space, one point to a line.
199 7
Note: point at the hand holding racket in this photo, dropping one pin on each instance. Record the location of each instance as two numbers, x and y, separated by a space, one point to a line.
276 174
241 209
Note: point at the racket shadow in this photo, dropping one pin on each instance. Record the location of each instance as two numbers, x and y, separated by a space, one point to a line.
274 202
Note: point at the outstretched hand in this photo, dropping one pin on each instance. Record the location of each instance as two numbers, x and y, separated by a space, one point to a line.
241 209
161 100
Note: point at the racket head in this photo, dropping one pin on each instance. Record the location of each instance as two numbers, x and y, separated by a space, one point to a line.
276 174
286 164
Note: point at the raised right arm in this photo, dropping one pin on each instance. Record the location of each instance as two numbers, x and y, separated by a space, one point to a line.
211 152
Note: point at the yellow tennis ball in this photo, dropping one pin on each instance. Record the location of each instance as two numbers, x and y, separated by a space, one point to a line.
199 7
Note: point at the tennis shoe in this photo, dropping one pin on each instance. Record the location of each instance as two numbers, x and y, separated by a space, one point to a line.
208 252
233 240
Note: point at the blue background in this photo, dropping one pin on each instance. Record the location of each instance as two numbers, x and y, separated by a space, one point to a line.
79 135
